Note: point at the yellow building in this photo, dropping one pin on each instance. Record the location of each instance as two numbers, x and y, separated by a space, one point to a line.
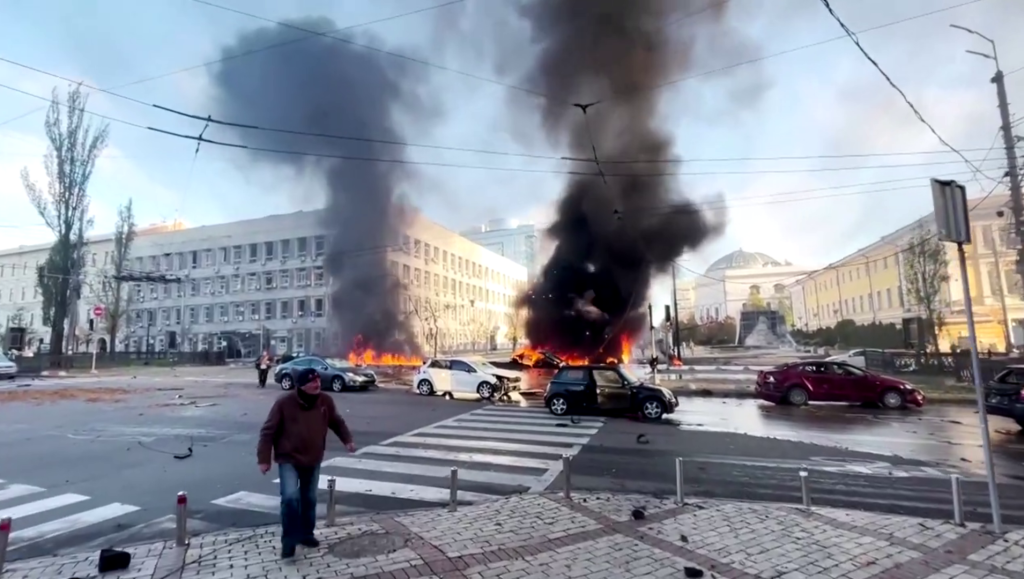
869 284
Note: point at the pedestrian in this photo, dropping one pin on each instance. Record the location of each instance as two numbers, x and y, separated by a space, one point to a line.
296 431
263 368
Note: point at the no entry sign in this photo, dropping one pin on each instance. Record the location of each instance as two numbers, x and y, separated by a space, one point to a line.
97 311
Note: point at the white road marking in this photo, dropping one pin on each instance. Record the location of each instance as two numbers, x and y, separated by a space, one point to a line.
491 434
473 423
490 417
399 490
429 470
14 491
251 502
488 444
462 456
42 505
20 538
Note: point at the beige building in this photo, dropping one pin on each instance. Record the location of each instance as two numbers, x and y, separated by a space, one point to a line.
686 298
248 284
869 285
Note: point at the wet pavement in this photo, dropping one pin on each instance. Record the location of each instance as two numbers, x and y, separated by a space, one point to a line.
948 436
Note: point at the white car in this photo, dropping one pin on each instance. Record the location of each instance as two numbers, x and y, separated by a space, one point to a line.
8 369
855 357
465 376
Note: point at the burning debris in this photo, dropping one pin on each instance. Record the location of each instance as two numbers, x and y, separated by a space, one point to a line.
545 359
320 85
362 355
614 230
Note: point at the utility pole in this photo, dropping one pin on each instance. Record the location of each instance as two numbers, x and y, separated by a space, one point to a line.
871 290
675 313
1009 144
1002 297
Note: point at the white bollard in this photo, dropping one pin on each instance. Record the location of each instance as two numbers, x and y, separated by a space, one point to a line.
332 506
805 491
181 516
453 490
958 499
679 481
566 477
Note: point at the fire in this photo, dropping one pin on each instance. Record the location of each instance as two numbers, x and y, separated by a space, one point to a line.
364 356
529 356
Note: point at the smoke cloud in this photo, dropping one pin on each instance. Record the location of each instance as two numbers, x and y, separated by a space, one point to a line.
612 236
324 86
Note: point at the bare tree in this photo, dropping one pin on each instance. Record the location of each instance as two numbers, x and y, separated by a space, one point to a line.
63 204
17 319
428 312
514 321
926 265
109 283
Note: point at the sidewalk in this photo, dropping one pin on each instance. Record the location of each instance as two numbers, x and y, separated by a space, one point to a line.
594 537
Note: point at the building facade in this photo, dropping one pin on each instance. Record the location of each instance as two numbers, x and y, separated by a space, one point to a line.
869 285
685 298
254 284
511 239
728 284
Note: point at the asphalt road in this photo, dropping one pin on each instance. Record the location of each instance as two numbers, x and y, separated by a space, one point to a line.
896 462
90 463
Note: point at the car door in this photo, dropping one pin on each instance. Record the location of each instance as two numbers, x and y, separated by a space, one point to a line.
322 369
857 358
464 377
612 393
440 375
817 376
849 384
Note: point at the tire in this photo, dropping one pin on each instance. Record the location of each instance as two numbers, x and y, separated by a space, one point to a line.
797 396
892 399
558 405
425 388
286 382
485 390
652 409
337 384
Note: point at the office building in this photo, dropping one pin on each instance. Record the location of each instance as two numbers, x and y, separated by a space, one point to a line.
511 239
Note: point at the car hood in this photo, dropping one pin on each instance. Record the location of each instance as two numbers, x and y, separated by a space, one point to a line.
512 374
646 388
356 371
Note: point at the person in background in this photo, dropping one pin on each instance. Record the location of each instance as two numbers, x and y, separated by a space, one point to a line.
263 368
296 431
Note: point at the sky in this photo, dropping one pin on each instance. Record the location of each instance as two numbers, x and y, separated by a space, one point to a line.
824 100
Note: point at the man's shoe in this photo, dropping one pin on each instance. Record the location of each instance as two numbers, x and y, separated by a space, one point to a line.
311 542
287 551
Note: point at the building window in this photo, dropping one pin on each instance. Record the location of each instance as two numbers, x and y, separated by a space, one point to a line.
286 248
165 316
252 282
177 316
318 276
268 310
318 340
888 297
222 285
406 273
207 314
861 299
318 307
236 254
300 307
284 309
301 277
284 278
222 312
254 310
268 280
207 258
319 246
254 252
300 246
191 314
223 251
238 310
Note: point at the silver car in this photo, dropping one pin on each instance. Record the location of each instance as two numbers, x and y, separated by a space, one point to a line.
8 369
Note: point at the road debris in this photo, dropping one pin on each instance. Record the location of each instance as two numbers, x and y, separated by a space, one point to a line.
42 396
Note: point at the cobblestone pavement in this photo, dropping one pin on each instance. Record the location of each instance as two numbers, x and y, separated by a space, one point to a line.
593 536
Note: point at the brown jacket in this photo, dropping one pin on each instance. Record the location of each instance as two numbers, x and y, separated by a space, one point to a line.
298 434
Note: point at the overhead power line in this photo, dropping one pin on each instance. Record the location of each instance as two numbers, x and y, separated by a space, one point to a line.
856 41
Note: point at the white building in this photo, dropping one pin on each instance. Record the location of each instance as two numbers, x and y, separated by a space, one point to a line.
258 282
686 298
509 238
727 283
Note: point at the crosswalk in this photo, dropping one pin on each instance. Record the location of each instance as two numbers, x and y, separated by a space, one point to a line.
40 515
498 450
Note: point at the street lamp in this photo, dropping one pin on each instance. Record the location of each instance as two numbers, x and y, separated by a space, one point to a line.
994 56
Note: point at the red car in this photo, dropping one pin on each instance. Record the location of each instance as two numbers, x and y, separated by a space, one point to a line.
798 383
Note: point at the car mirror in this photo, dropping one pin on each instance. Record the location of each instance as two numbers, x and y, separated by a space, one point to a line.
323 368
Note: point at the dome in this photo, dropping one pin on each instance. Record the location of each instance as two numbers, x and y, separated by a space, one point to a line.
740 259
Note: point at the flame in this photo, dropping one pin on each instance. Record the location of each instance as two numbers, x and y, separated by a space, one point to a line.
529 356
676 361
364 356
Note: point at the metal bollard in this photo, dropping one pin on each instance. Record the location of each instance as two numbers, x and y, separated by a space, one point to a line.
958 499
567 477
5 534
181 516
805 491
332 505
679 481
453 490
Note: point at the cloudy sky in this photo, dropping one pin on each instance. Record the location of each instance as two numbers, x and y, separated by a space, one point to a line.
780 84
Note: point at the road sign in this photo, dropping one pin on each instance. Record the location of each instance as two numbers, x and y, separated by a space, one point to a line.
97 311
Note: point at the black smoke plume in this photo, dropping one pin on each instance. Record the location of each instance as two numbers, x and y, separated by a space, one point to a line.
323 86
612 234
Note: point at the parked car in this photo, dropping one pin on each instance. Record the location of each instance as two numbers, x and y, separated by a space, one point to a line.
335 373
855 357
1004 394
8 369
466 376
606 389
798 383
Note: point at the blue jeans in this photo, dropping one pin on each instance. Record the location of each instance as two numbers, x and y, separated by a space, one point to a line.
298 502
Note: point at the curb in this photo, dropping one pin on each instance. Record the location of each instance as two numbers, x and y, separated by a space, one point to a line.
935 398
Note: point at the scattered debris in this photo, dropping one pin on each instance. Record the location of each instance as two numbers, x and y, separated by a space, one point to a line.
638 514
38 396
574 419
684 539
693 572
642 439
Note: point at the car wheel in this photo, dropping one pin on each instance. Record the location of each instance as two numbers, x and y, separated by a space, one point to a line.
797 396
652 409
425 387
558 406
485 390
286 382
893 399
337 384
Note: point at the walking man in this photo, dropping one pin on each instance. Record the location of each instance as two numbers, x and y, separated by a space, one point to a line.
263 368
296 431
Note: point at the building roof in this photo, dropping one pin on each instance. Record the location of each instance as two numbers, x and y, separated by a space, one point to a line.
740 259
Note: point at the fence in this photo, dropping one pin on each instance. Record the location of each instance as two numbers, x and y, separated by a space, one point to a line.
42 362
949 365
